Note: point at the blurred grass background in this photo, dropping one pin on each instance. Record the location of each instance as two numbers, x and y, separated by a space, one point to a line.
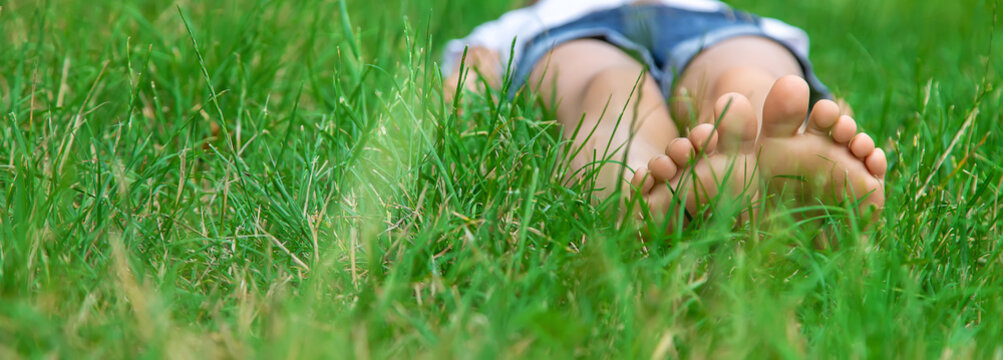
240 178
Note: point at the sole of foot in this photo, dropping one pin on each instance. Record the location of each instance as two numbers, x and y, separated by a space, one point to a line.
825 161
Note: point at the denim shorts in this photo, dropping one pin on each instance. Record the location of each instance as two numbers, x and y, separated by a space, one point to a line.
662 37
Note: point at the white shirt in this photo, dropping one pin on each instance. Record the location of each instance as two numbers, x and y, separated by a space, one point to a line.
526 23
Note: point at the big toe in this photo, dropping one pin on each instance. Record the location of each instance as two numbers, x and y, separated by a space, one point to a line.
786 106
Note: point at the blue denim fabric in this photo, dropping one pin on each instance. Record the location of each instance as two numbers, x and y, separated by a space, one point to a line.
662 37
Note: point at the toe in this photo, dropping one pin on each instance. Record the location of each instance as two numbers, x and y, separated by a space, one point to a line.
642 181
786 106
737 119
680 151
861 146
873 197
662 168
844 129
823 116
704 138
876 163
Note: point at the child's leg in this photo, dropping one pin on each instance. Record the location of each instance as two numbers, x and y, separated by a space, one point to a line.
745 82
592 84
599 89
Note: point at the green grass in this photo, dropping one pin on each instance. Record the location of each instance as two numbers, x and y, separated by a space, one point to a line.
280 179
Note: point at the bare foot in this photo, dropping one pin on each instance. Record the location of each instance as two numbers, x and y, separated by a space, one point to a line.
696 169
827 161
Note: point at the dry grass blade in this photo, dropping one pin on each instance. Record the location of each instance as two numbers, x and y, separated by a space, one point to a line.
284 249
947 152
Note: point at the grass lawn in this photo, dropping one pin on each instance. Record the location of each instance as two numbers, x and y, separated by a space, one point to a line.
281 179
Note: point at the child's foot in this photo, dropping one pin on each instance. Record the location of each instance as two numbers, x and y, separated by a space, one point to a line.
828 160
696 168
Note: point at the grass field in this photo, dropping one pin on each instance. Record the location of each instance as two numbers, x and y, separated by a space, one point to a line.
280 179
